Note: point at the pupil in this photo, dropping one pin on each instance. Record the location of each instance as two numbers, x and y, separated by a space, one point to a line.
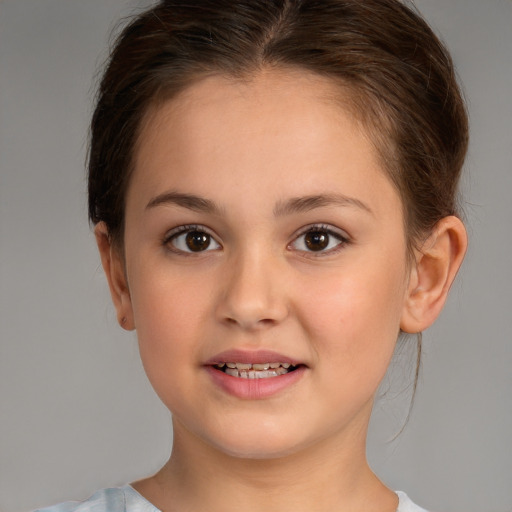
197 241
317 240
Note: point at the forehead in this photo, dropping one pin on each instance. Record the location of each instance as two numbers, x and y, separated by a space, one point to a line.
277 130
278 97
277 89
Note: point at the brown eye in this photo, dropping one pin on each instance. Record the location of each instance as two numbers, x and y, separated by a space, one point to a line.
319 239
197 241
316 240
191 239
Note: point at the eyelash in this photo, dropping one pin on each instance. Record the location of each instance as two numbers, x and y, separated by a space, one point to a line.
342 237
328 230
175 233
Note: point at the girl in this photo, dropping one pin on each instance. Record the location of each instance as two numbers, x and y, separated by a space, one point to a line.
272 186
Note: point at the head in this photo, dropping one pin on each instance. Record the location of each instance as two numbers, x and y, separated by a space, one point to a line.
376 63
399 77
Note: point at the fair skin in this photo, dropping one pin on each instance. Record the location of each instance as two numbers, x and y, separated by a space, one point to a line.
262 228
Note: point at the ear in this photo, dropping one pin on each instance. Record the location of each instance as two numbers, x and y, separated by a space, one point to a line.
432 275
113 265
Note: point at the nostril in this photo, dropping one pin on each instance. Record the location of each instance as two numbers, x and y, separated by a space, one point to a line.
267 321
246 322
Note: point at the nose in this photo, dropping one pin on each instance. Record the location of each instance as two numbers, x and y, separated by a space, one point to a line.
253 296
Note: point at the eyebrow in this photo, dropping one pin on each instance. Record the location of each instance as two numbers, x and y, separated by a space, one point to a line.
294 205
189 201
307 203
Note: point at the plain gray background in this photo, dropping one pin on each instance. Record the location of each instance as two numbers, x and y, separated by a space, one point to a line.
76 410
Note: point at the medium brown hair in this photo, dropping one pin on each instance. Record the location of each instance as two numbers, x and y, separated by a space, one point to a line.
400 76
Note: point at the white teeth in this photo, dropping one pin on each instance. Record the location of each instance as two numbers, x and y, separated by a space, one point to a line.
254 366
264 366
255 374
256 370
232 372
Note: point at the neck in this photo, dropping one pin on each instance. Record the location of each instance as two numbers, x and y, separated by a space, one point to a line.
329 476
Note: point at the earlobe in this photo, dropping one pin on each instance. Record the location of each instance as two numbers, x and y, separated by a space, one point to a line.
113 265
436 265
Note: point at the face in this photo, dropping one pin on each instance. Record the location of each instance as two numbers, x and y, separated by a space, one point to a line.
265 260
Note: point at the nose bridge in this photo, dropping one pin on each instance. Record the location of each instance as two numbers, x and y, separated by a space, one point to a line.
252 296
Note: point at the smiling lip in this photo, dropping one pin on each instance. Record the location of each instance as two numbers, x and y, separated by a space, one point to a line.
247 357
253 388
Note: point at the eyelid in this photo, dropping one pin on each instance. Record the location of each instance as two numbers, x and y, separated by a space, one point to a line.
343 237
183 229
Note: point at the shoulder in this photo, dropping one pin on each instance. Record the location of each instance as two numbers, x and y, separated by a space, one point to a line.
406 505
119 499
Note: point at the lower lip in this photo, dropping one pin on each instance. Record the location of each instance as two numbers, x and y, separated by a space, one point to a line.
254 389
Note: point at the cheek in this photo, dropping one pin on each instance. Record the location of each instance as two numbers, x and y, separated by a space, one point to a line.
168 301
354 315
169 315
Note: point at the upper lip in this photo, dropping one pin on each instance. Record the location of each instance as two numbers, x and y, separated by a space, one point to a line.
250 357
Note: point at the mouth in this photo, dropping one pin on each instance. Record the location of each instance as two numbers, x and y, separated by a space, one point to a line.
255 370
254 374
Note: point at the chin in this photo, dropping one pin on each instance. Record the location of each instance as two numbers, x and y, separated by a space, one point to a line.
258 453
259 445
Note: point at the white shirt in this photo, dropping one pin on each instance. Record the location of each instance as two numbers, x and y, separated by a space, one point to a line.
127 499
